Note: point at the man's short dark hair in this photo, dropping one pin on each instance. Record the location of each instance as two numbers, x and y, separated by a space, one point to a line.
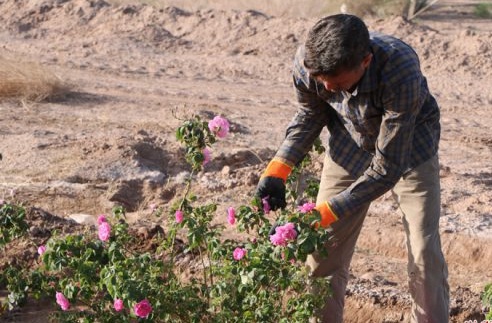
335 44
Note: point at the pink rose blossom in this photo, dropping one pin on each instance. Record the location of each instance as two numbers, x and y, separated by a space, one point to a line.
283 234
307 207
62 301
231 215
142 308
277 240
118 305
266 205
153 207
179 216
101 219
239 253
41 250
104 231
219 126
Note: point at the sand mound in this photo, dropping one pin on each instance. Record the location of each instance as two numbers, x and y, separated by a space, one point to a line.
95 29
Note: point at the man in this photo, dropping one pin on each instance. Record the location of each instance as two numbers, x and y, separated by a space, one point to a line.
369 91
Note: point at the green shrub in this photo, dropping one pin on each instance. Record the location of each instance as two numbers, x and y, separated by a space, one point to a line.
487 300
104 276
482 10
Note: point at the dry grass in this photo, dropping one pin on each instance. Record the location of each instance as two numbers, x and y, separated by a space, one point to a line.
28 81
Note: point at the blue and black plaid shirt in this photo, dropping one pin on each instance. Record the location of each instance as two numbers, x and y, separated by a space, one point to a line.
386 127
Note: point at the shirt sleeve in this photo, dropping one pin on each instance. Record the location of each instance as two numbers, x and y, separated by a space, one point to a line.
402 101
312 115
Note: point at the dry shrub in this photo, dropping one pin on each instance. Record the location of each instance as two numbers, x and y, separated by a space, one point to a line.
28 81
377 8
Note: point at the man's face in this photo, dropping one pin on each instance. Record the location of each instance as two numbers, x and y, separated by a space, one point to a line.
345 80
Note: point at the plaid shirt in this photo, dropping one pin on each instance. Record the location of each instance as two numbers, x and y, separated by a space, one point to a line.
386 127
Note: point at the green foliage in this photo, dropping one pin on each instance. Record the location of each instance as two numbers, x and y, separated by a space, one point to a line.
487 300
482 10
268 283
12 222
16 284
196 136
94 273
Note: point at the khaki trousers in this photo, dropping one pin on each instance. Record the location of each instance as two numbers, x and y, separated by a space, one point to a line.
418 195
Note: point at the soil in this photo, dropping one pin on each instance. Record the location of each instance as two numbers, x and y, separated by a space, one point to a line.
134 70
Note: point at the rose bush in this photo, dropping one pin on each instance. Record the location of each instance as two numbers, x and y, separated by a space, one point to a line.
98 277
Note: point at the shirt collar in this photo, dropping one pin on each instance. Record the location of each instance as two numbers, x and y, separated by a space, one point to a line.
369 79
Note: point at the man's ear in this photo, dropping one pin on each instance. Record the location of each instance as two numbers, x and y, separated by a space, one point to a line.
367 60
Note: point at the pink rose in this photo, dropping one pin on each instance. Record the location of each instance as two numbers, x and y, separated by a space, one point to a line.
307 207
206 156
104 231
288 231
231 215
142 308
277 240
283 234
153 207
62 301
239 253
101 219
118 305
179 216
41 250
219 126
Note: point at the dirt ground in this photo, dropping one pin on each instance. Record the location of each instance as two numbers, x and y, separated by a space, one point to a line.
111 139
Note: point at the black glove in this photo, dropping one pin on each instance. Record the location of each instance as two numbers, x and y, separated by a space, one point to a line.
272 188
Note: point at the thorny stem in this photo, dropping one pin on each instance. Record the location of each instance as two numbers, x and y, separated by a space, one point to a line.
187 190
204 273
297 187
211 269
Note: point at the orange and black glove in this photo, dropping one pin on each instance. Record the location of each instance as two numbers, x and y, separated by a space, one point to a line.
272 184
327 215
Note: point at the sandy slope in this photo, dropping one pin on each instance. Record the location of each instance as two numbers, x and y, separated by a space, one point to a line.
111 140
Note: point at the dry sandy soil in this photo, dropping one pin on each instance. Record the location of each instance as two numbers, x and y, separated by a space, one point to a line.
110 140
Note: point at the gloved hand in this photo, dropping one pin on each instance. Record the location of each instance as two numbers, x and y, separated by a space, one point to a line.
327 214
272 184
273 189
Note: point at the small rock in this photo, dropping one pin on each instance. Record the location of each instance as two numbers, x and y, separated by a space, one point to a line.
226 170
83 218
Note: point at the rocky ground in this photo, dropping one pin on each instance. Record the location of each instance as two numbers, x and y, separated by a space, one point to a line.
133 68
